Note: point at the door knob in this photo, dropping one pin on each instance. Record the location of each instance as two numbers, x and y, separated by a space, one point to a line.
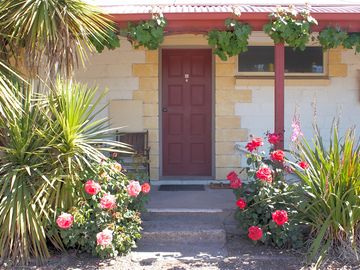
164 109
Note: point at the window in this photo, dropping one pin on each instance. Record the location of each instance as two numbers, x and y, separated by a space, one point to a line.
259 61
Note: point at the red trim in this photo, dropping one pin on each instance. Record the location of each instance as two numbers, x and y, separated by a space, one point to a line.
279 91
200 22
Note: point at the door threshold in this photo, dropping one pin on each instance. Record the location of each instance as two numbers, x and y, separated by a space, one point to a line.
186 182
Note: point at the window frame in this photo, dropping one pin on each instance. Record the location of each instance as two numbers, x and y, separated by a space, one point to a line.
267 74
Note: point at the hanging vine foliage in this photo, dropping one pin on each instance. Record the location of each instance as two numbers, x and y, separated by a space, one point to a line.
230 42
149 34
291 27
332 37
109 40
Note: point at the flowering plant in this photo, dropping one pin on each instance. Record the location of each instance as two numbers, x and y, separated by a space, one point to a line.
265 203
106 218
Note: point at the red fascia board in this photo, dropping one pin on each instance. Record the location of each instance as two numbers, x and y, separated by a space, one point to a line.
200 22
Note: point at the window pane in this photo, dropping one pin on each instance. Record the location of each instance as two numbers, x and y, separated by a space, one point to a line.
261 59
308 61
257 59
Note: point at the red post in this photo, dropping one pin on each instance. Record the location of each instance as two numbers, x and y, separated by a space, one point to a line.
279 92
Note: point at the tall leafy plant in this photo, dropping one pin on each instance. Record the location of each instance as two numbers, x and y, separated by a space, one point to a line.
331 184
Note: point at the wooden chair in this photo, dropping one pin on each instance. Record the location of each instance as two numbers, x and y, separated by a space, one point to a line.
139 141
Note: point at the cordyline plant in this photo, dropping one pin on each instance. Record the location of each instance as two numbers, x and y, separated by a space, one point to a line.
330 180
51 34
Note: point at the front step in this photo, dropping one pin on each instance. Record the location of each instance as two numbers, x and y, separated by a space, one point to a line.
180 227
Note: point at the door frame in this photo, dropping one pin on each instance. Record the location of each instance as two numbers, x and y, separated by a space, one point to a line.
213 113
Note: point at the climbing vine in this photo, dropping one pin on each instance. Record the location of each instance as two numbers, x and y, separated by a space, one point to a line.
230 42
109 39
332 37
291 27
149 34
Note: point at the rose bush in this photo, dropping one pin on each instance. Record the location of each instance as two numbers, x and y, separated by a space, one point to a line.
106 218
266 203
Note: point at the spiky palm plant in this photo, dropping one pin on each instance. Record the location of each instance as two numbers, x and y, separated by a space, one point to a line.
332 189
56 33
24 165
80 136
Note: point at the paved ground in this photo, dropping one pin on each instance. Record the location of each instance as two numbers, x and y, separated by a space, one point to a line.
240 254
202 238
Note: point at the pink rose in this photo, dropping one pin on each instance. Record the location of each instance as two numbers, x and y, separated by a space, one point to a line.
145 188
104 238
264 174
108 201
65 221
92 187
133 188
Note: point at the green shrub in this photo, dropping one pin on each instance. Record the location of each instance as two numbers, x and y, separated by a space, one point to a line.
47 145
122 218
265 193
331 185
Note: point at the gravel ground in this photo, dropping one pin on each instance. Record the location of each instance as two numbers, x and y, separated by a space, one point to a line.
242 254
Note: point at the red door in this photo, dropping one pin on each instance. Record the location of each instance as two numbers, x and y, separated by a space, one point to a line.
187 112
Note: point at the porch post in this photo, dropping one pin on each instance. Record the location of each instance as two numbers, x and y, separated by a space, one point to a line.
279 92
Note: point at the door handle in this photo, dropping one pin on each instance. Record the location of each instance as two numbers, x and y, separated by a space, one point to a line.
164 109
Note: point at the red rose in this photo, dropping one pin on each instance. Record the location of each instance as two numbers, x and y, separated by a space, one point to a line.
145 188
280 217
250 146
231 176
257 141
264 174
303 164
273 138
254 144
92 187
235 183
255 233
277 155
241 203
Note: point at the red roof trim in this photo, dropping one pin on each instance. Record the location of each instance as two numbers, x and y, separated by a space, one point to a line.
201 18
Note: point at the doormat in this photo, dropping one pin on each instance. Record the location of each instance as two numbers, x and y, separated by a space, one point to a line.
219 186
181 188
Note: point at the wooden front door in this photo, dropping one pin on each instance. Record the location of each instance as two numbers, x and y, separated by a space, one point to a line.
187 112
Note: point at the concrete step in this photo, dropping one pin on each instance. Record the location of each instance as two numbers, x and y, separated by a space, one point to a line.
184 227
